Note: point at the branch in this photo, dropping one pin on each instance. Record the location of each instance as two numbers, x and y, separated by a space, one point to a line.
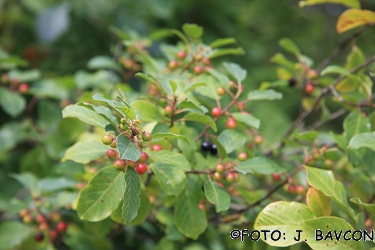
333 116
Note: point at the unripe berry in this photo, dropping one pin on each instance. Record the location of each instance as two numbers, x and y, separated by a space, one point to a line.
198 70
217 176
216 112
123 120
123 127
258 139
40 218
132 164
120 164
141 168
206 61
107 139
80 185
111 153
220 91
181 54
27 219
43 226
328 163
312 74
231 177
168 110
24 212
292 189
231 123
156 147
308 159
143 158
39 237
220 184
220 168
61 226
232 85
53 234
240 106
173 64
23 88
242 156
309 88
276 177
113 143
198 57
146 136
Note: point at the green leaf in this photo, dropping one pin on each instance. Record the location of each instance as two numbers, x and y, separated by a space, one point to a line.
191 86
318 203
222 78
173 85
321 233
189 105
11 102
220 148
143 210
127 111
350 3
217 195
25 76
289 46
223 52
325 181
29 181
85 80
198 117
259 165
13 233
169 135
84 114
105 112
152 80
236 71
334 69
131 196
127 149
114 104
248 119
188 215
369 207
50 88
363 140
53 184
231 140
283 61
192 30
100 62
10 134
309 136
171 179
287 217
84 152
147 110
101 196
172 158
355 123
268 94
222 42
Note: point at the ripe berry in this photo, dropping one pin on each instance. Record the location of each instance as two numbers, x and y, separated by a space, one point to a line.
220 91
23 88
292 189
292 82
300 189
61 226
206 146
181 54
202 206
173 64
220 184
113 144
40 218
213 149
111 153
231 123
141 168
217 176
309 88
143 158
120 164
220 168
53 234
168 110
146 136
216 112
242 156
276 177
258 139
231 177
107 139
156 147
39 237
198 70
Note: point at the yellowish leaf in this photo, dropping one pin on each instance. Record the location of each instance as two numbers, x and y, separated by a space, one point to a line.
353 18
350 3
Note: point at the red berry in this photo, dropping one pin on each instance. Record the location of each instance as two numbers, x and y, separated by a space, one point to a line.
231 177
220 91
220 168
198 70
107 139
146 136
231 123
61 226
242 156
173 64
240 106
24 212
156 147
168 110
216 112
309 88
53 234
206 61
220 184
181 54
39 237
202 206
232 85
120 164
276 177
141 168
300 189
23 88
113 144
292 189
80 185
143 158
111 153
40 218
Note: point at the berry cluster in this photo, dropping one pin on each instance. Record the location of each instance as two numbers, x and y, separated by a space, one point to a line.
319 157
208 147
226 171
15 84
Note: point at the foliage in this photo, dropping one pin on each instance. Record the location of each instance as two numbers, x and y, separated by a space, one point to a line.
178 160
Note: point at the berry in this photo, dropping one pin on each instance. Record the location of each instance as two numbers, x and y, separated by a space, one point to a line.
232 85
328 163
146 136
220 91
141 168
240 106
120 164
276 177
156 147
53 234
80 185
61 226
309 88
217 176
181 54
258 139
143 158
43 226
24 212
292 189
308 159
123 127
173 64
220 168
113 144
39 237
198 70
123 120
206 146
220 184
292 82
216 112
107 139
231 123
40 218
27 219
23 88
213 149
132 164
198 57
231 177
111 153
312 74
300 189
168 110
206 61
202 206
242 156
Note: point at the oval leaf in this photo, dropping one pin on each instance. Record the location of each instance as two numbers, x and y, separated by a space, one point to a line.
259 165
318 203
289 46
220 148
127 149
268 94
11 102
84 114
84 152
231 140
217 195
353 18
147 111
13 233
131 196
172 158
198 117
248 119
169 135
350 3
236 71
363 140
171 179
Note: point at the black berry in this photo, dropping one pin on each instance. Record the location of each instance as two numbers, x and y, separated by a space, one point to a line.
292 82
39 237
206 146
213 149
